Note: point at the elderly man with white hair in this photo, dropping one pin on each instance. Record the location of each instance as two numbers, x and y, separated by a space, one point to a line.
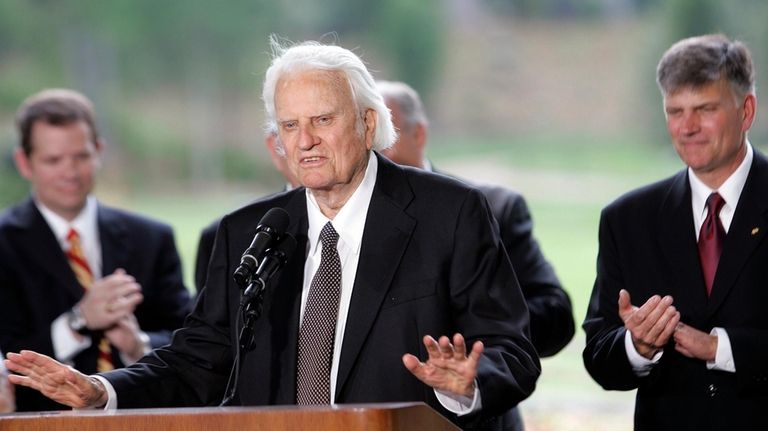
399 281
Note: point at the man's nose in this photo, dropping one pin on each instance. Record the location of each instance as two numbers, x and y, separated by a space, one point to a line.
307 137
691 123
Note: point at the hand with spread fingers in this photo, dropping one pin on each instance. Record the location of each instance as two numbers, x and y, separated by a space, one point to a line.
651 324
694 343
448 367
55 380
110 299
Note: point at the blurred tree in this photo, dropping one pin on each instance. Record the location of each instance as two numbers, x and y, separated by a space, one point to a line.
687 18
557 9
411 35
408 35
177 82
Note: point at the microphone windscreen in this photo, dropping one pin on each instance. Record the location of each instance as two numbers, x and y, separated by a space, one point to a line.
277 219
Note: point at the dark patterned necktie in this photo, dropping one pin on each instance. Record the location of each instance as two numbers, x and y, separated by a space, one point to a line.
318 329
711 239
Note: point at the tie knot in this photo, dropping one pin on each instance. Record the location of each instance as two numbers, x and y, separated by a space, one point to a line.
328 236
715 203
72 235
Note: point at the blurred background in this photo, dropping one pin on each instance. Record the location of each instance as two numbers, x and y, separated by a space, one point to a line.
554 98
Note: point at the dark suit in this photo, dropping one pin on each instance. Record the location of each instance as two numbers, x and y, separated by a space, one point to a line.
37 284
648 246
430 263
549 306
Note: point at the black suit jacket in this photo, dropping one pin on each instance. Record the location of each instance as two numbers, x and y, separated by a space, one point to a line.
37 284
551 313
430 263
648 246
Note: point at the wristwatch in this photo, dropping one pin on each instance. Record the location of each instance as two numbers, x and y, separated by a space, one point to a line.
76 321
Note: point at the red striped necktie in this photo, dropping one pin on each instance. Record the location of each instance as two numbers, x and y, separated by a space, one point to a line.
84 275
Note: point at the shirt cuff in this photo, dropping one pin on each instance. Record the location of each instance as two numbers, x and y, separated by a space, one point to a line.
66 345
724 354
111 394
459 404
640 365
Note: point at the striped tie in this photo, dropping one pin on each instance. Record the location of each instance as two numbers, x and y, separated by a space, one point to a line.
82 271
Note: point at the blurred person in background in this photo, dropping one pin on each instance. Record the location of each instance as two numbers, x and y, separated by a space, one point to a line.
387 258
7 398
678 306
92 286
551 313
208 234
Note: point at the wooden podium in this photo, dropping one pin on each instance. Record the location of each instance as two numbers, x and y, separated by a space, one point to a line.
368 417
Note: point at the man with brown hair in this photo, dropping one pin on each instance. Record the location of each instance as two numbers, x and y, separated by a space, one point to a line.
93 286
677 311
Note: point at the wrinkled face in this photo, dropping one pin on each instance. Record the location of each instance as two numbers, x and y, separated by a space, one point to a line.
708 126
325 148
61 166
409 148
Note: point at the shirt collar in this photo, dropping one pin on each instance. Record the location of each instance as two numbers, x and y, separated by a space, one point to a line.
350 220
730 190
84 223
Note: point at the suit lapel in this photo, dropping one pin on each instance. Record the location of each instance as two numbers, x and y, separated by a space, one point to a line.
748 229
385 237
39 244
113 235
678 243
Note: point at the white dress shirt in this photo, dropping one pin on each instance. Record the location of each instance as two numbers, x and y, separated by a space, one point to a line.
349 223
730 191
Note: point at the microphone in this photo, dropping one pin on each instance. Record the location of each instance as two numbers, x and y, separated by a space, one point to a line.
273 260
270 228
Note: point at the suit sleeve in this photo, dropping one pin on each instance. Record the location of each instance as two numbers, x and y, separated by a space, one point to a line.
552 325
604 355
489 306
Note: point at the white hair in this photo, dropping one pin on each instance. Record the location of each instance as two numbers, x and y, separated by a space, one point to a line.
316 56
